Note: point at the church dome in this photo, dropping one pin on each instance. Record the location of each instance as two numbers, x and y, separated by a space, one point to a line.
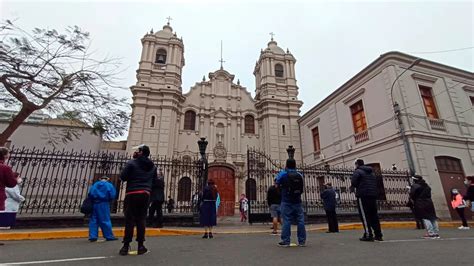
166 32
273 47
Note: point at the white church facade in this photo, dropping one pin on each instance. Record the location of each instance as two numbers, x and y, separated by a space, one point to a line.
218 108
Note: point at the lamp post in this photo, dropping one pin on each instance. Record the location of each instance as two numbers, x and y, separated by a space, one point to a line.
397 112
202 144
291 152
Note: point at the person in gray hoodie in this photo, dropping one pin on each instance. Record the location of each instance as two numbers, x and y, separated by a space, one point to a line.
365 185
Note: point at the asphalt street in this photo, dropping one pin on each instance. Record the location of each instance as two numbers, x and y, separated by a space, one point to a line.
402 247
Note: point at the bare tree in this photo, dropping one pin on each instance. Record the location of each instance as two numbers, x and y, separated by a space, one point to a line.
56 72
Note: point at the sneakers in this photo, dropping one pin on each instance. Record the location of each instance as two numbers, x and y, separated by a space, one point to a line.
283 244
428 236
92 239
124 250
274 233
205 236
142 250
110 239
367 239
463 228
302 244
210 235
378 239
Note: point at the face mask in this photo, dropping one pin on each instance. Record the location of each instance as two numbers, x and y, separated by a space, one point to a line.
19 180
455 191
466 182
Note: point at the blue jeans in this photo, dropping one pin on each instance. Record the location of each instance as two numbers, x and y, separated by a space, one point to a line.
289 213
431 226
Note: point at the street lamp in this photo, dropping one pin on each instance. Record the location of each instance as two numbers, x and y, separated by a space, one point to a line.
291 152
397 112
202 144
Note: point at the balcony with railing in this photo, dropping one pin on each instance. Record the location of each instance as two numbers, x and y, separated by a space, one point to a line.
437 124
361 137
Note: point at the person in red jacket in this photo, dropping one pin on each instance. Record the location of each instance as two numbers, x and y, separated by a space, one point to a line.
7 177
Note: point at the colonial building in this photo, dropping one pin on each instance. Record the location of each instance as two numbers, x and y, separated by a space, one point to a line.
435 106
40 131
218 108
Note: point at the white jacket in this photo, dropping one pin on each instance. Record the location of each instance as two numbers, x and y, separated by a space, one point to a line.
14 198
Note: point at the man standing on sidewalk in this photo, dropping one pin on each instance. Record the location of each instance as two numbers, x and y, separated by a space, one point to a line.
139 174
291 184
365 185
328 195
157 199
274 201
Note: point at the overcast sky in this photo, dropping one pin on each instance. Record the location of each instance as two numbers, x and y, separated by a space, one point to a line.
332 41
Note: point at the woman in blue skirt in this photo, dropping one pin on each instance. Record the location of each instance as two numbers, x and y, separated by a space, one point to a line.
207 214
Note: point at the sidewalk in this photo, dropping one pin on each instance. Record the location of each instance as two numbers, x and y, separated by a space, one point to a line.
82 232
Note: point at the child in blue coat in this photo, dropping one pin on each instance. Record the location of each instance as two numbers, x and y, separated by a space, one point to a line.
101 193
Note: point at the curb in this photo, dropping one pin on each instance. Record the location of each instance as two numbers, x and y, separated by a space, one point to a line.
118 232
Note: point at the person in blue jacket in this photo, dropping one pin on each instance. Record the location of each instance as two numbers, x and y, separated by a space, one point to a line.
101 193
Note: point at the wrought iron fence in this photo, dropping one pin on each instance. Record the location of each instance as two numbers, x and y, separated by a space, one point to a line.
261 171
56 182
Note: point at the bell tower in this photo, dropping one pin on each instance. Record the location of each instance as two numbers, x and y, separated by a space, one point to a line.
277 104
157 94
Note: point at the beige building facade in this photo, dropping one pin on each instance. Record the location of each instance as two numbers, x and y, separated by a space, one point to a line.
436 107
218 108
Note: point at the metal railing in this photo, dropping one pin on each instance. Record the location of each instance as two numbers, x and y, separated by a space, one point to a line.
393 194
57 181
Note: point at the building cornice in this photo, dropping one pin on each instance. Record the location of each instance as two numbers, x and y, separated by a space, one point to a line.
395 56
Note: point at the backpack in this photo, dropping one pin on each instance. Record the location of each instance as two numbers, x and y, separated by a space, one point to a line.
87 206
295 183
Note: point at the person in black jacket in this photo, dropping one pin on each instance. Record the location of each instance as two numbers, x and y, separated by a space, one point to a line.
157 198
274 201
139 174
365 185
420 193
469 197
328 195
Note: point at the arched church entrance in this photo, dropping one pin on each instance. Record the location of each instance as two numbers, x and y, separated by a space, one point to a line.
224 178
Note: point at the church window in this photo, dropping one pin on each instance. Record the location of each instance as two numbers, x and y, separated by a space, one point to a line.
249 124
283 130
152 121
189 120
161 56
184 189
279 70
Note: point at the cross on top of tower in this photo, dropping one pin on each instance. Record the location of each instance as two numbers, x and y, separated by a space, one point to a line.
272 34
222 60
169 20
